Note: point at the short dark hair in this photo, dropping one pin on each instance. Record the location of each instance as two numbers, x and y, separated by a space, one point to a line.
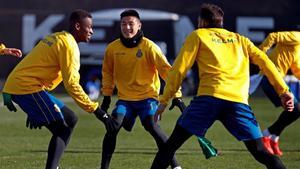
213 14
76 16
130 12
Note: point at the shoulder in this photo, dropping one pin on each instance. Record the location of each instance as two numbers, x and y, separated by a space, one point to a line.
62 37
114 44
295 34
148 44
239 37
64 41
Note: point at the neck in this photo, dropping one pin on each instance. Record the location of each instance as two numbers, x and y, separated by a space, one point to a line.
134 41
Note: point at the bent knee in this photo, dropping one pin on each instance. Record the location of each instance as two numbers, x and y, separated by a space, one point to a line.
73 121
148 126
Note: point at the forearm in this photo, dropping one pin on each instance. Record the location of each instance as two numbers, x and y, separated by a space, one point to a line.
81 98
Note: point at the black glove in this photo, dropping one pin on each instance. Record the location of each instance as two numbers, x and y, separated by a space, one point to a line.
108 121
179 103
32 125
105 103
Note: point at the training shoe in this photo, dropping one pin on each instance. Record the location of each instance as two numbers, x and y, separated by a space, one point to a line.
178 167
267 143
275 147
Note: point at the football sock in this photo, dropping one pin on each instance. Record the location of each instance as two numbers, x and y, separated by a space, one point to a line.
274 138
108 148
256 148
285 119
167 151
61 135
266 133
55 150
109 143
159 136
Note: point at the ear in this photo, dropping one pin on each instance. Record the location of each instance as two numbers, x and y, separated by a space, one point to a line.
77 26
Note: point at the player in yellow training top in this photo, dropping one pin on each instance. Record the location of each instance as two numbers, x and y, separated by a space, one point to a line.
133 64
223 62
53 60
285 55
9 51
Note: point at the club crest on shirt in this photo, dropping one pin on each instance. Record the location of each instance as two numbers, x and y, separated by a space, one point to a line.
139 53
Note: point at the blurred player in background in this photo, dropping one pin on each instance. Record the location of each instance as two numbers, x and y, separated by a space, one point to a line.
53 60
223 60
285 55
133 65
9 51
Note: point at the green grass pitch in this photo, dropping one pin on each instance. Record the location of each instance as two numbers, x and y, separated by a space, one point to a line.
22 148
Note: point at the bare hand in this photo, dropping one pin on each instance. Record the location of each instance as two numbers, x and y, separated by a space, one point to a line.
287 101
161 108
12 51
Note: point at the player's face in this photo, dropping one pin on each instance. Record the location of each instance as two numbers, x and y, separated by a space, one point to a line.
85 30
130 25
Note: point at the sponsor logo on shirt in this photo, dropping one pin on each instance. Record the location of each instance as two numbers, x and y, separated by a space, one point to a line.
227 40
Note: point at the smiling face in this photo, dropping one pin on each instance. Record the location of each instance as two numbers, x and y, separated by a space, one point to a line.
130 25
84 29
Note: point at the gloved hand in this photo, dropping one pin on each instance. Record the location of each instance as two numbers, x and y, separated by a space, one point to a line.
108 121
207 149
105 103
179 103
8 102
32 125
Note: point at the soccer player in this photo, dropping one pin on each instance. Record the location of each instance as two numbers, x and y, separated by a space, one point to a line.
223 62
53 60
9 51
285 55
132 64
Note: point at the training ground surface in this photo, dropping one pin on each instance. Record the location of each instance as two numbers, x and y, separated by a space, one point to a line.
22 148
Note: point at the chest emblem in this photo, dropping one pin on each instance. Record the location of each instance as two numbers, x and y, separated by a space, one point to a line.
139 53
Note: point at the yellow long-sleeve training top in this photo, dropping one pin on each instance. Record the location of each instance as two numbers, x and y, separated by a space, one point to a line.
223 62
286 53
56 58
134 71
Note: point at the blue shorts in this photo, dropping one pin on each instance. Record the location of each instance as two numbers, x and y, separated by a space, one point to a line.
41 108
131 109
271 93
203 111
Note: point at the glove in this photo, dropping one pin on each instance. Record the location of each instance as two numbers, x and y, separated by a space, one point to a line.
179 103
8 102
207 149
105 103
109 122
32 125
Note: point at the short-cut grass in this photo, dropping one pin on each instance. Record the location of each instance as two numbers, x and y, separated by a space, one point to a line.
22 148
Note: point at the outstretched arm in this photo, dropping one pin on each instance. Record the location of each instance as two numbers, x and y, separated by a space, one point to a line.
10 51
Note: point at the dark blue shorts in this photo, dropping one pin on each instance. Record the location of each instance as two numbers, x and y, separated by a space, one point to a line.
203 111
131 109
271 93
41 108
